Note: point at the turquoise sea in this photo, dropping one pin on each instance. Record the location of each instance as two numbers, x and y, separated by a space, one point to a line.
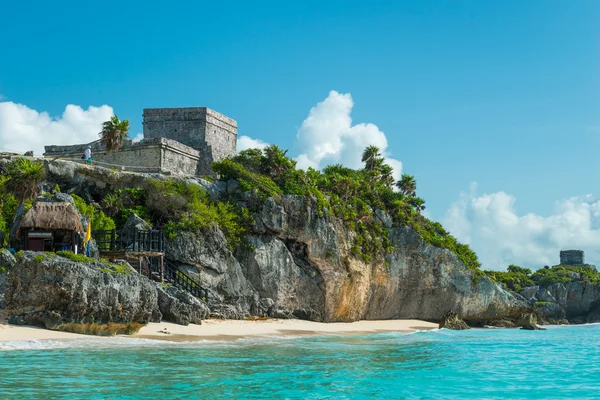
562 362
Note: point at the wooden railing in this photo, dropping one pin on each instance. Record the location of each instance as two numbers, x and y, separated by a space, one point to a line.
134 241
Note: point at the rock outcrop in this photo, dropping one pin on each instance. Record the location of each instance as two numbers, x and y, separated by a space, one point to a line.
7 261
528 322
453 321
299 265
50 291
577 301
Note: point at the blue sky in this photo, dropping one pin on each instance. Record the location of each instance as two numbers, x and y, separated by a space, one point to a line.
502 93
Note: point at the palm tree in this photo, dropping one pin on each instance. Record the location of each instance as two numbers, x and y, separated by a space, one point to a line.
275 161
386 175
371 157
25 178
114 132
407 185
418 203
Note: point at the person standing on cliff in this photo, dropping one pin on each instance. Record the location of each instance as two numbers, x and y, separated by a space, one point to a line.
87 155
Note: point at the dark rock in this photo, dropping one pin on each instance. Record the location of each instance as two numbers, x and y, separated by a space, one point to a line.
529 293
7 259
528 322
545 296
594 314
308 315
28 153
133 225
453 321
501 323
217 270
550 312
578 320
181 307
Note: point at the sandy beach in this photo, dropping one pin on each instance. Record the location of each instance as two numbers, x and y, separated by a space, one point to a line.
216 329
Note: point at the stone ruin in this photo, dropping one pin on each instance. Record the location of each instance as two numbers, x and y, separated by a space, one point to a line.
182 141
574 258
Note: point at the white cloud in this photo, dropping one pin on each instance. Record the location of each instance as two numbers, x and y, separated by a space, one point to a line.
23 129
246 142
490 224
138 137
327 137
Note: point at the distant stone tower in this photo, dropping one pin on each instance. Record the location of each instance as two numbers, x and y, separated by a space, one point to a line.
208 131
572 257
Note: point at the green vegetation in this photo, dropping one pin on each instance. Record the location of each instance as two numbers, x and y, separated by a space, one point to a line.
25 177
351 195
20 185
560 274
8 208
39 258
109 329
99 220
517 278
114 132
75 257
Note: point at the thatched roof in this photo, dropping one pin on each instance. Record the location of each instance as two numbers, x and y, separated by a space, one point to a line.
52 215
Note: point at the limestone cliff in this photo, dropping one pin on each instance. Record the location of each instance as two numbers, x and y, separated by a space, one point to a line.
300 265
573 302
51 291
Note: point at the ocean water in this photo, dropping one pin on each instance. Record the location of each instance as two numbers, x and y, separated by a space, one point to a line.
562 362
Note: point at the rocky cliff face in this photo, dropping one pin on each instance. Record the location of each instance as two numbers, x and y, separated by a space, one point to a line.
299 265
49 291
576 302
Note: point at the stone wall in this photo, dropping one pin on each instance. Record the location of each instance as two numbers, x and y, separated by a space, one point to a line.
148 155
213 134
572 257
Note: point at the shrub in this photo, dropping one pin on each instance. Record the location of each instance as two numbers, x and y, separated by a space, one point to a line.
99 220
75 257
179 206
348 194
99 329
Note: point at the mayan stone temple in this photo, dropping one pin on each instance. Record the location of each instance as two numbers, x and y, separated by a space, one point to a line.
183 141
574 258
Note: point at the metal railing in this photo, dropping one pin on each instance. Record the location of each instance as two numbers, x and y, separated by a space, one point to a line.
177 278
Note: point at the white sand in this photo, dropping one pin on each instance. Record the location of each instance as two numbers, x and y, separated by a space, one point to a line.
214 329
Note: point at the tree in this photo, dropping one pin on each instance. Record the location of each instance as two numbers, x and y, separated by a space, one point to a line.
25 178
275 162
114 132
407 185
371 157
417 202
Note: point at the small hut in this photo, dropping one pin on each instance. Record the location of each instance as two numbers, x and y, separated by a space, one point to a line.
51 226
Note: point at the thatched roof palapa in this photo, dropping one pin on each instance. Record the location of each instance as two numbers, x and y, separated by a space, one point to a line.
51 216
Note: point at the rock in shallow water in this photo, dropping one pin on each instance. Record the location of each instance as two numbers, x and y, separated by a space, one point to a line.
529 322
453 321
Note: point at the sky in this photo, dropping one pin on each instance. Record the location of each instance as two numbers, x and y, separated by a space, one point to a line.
491 105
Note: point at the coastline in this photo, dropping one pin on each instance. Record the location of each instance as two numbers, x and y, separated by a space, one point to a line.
227 330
